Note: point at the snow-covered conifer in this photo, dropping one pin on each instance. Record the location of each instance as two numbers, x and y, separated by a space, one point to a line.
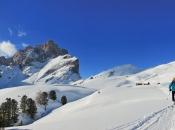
63 100
31 108
23 103
52 95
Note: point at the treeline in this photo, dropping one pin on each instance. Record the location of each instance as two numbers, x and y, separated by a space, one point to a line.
9 110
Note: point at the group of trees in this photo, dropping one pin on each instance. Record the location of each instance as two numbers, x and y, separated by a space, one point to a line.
42 98
28 106
9 110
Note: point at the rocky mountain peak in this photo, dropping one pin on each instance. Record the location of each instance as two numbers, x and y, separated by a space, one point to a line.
41 64
49 43
39 53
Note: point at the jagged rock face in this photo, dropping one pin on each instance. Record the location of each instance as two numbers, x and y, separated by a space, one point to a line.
4 61
39 53
42 64
75 63
50 48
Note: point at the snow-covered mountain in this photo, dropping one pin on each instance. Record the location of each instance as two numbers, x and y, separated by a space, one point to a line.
110 100
42 64
120 71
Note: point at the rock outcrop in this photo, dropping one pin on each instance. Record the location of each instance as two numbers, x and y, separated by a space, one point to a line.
42 64
39 53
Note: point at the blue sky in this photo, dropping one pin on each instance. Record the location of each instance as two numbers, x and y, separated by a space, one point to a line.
101 33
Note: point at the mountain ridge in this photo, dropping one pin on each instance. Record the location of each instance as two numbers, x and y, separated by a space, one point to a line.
32 61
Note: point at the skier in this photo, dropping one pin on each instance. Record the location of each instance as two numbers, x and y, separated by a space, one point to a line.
172 88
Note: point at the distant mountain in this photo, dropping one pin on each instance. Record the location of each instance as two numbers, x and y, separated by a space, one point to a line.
119 72
42 64
122 70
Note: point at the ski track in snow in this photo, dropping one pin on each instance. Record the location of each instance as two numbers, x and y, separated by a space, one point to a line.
160 120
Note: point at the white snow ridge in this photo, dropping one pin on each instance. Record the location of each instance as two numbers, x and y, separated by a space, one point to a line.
110 100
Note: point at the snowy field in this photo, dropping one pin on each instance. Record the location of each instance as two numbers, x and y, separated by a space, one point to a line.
110 102
72 93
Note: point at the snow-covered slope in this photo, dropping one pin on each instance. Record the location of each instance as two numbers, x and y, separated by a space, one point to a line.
162 73
10 76
118 104
55 71
111 109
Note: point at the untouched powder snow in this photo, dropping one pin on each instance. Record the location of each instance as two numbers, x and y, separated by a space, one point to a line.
116 103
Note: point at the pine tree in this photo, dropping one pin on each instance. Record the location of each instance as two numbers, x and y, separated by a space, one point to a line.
63 100
23 103
9 112
8 107
52 95
34 110
31 108
1 118
3 114
14 110
2 121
